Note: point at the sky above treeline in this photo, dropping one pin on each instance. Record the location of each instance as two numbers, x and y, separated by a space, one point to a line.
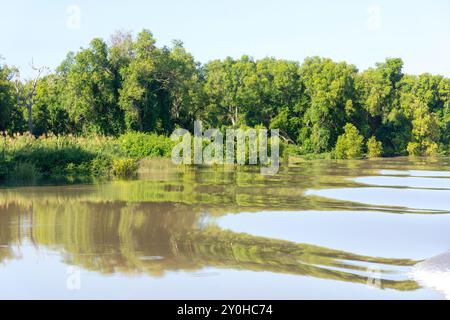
357 31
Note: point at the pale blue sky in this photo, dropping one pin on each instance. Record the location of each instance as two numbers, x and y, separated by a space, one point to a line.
360 32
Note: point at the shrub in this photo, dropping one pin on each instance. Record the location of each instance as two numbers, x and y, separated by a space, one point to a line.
3 169
101 166
141 145
50 158
61 158
349 145
424 148
124 168
292 150
425 132
23 172
374 148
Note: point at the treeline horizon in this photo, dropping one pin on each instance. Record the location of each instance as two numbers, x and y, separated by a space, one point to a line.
130 84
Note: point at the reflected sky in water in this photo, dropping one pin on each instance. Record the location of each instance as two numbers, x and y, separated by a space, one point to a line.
413 236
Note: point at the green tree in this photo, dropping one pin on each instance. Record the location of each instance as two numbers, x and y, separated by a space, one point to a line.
130 84
349 144
90 96
330 86
425 132
142 96
282 100
179 75
10 117
374 148
49 111
444 119
231 87
378 91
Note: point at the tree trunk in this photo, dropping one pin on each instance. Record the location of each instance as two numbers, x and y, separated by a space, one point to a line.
30 119
141 123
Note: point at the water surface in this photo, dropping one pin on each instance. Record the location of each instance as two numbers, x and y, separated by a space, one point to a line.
319 229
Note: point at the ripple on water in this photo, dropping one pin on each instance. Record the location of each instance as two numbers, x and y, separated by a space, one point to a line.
376 234
415 173
414 199
415 190
408 182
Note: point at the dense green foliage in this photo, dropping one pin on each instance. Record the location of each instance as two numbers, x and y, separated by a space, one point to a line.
130 84
374 148
141 145
349 144
26 159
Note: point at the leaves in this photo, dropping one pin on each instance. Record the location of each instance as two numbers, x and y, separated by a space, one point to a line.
131 84
349 145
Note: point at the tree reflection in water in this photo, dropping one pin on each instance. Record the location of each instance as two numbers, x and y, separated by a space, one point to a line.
165 221
151 238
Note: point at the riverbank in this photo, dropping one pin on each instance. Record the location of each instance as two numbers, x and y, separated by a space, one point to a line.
25 159
67 159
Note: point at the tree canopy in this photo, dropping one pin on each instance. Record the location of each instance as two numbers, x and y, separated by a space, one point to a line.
130 84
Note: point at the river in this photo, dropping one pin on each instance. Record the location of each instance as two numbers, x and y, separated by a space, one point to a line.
362 229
